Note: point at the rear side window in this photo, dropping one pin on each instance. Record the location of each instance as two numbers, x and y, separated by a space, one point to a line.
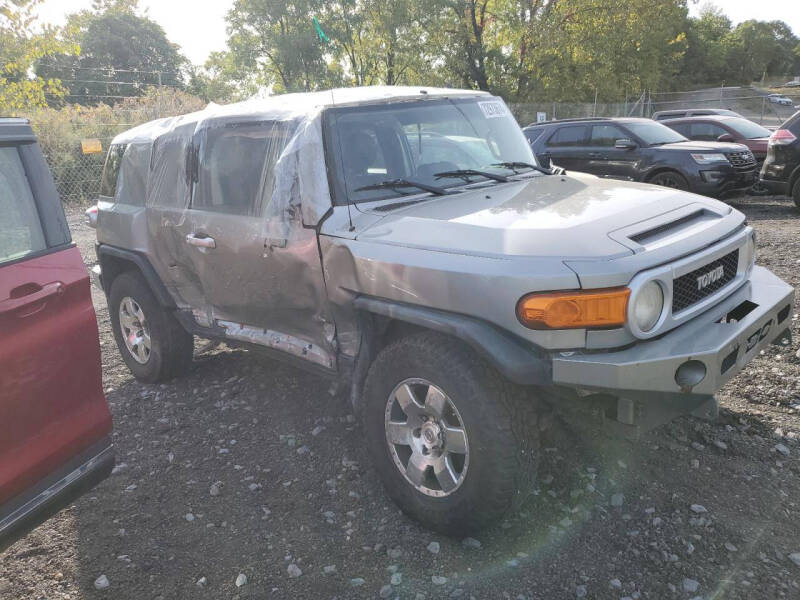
20 228
671 115
572 135
682 128
108 184
168 184
706 132
235 167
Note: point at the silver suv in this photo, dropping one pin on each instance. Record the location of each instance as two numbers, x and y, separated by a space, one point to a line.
405 243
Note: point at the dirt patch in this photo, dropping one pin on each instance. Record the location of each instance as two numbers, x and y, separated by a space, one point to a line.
250 467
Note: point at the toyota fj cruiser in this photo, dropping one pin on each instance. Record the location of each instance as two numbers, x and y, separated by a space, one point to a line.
405 243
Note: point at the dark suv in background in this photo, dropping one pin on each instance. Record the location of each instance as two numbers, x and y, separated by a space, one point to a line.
643 150
781 170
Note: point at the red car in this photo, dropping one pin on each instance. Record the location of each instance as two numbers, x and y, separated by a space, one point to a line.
55 426
719 128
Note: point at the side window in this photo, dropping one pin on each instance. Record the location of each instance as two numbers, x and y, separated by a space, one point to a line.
572 135
532 134
706 132
108 183
234 162
682 128
20 229
168 182
132 180
606 135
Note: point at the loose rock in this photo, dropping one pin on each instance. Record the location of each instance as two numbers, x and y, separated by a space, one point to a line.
690 585
698 509
438 580
101 582
241 580
433 548
294 571
617 500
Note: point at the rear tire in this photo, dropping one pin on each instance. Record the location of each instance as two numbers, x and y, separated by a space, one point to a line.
796 193
670 179
151 341
488 468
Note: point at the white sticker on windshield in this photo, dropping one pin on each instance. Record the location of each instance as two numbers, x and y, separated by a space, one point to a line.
493 109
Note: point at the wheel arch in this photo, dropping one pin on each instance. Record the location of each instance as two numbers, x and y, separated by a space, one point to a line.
384 321
115 261
650 175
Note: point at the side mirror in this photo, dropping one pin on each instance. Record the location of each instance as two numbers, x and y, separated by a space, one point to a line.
624 144
725 137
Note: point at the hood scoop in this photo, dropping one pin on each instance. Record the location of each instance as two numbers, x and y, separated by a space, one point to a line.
668 228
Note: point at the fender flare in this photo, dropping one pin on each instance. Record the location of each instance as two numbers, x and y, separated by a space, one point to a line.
104 252
517 360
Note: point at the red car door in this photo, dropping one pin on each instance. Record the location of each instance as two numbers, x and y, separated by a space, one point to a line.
54 420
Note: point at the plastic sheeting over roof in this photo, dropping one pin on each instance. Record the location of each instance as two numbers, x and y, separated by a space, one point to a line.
295 170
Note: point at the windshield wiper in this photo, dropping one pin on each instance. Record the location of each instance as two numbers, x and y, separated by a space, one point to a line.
514 165
466 173
401 183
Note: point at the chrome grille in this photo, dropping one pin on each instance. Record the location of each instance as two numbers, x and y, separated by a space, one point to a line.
742 161
686 290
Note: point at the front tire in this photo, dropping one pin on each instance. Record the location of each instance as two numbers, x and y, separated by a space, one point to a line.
670 179
454 443
151 341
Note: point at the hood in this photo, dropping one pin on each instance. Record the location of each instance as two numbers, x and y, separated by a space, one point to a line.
695 146
573 216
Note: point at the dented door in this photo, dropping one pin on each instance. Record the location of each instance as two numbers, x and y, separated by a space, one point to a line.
260 286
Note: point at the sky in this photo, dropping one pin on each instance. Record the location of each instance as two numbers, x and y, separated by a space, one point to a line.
199 27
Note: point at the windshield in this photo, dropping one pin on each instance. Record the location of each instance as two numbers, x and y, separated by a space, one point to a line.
419 141
654 134
748 129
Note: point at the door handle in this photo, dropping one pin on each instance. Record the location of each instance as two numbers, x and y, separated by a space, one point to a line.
595 155
202 241
42 293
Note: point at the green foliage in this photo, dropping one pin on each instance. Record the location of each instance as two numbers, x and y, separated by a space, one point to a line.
22 43
60 131
523 49
121 53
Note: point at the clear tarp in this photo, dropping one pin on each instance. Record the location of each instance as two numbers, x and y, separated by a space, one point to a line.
262 158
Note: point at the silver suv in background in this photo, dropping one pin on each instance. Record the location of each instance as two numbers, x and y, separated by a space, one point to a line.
404 243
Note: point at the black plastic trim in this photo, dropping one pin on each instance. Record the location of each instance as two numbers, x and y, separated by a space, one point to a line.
516 359
143 264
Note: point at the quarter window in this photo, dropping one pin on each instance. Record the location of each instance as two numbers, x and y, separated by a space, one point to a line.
20 229
108 184
568 136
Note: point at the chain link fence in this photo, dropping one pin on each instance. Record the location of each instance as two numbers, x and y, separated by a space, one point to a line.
75 138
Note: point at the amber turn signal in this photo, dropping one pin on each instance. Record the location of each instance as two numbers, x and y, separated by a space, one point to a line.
573 310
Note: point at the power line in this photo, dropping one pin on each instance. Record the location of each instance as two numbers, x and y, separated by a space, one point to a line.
111 69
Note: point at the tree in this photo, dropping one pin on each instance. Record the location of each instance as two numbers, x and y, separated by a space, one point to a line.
20 47
121 53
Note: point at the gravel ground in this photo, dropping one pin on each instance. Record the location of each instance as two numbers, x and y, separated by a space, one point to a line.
248 472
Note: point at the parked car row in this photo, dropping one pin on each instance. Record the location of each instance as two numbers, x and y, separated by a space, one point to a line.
714 152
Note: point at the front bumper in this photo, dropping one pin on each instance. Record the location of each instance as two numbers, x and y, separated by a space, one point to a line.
724 182
763 307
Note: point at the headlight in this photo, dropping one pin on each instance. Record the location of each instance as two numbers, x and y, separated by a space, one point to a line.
748 252
707 159
648 306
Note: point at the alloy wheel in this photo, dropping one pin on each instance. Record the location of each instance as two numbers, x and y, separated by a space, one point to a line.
426 437
135 329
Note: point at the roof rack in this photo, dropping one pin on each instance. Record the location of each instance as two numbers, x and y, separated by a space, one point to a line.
580 119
